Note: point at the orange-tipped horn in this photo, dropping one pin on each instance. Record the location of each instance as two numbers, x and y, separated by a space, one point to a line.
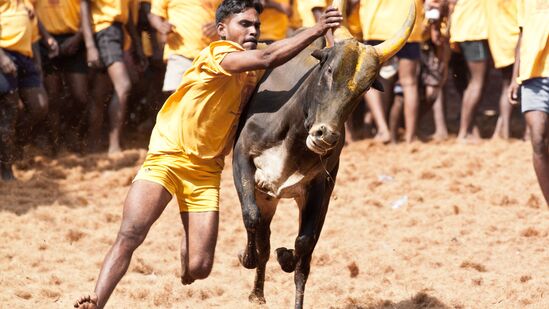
391 46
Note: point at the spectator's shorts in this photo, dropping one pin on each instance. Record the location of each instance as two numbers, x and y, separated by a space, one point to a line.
27 76
195 182
176 67
109 43
474 51
534 95
411 51
75 63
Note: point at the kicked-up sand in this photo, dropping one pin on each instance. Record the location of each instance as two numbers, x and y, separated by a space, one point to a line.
427 225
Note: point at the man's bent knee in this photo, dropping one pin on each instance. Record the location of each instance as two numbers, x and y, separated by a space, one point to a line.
131 238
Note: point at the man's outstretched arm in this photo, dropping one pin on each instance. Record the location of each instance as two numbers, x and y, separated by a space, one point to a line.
283 50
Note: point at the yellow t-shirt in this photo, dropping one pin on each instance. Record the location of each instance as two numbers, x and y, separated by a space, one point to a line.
16 28
305 8
382 19
134 8
201 117
503 30
188 17
468 21
106 12
353 22
59 16
274 24
533 17
295 19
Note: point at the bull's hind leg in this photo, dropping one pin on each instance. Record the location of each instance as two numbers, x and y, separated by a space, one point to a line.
267 208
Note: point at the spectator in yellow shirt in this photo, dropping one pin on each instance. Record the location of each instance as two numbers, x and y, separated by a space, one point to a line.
194 129
374 15
531 70
468 31
102 28
275 20
19 79
503 32
186 27
61 22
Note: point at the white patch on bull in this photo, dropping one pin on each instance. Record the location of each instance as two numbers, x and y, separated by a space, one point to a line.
274 176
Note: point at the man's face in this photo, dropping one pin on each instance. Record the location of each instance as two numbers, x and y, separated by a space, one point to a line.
242 28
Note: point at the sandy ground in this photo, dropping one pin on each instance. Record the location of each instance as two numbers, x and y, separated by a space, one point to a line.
473 233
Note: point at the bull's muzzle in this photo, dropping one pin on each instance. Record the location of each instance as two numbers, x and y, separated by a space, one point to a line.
321 139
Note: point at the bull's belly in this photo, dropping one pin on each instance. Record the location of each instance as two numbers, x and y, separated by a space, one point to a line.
276 175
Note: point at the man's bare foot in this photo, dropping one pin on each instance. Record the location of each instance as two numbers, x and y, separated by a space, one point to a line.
86 302
440 136
383 137
469 139
114 149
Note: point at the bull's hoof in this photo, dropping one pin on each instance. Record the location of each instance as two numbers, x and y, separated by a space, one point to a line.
248 260
286 259
257 298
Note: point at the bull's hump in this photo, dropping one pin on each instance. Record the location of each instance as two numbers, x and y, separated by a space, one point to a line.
275 174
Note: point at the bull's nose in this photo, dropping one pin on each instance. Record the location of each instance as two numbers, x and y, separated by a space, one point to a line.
325 134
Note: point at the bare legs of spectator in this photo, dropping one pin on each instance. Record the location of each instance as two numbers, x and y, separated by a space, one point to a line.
538 123
408 76
441 130
8 118
118 74
377 103
503 127
77 83
471 99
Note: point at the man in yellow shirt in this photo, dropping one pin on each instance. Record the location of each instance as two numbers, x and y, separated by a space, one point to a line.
468 31
194 131
61 23
374 15
503 32
102 28
187 27
19 79
532 71
275 20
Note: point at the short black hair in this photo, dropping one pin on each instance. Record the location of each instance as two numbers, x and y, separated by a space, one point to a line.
229 7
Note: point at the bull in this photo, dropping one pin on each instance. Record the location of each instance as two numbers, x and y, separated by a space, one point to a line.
290 139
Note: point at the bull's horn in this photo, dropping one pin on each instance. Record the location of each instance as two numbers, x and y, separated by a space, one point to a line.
341 33
391 46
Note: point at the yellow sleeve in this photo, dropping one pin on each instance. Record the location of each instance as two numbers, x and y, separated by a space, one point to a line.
216 53
520 13
160 8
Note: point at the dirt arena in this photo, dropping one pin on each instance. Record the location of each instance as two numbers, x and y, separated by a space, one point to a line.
471 231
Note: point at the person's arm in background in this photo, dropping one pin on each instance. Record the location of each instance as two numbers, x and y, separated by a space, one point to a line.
281 51
514 86
6 64
48 40
92 53
145 25
162 26
136 40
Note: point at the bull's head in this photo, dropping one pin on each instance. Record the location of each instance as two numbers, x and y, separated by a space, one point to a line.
346 70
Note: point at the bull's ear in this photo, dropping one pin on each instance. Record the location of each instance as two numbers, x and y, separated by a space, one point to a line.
320 54
377 85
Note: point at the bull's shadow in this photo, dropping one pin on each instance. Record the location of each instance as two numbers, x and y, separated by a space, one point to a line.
419 301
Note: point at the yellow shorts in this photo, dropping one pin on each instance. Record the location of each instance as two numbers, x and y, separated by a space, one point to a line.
195 182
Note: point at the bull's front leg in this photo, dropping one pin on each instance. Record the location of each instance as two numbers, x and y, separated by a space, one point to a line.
243 174
312 220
